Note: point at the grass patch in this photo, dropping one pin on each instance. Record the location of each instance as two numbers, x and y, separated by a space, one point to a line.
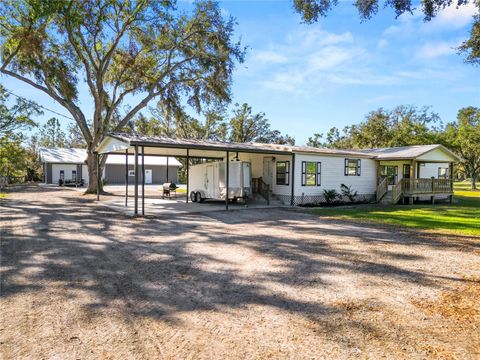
461 217
3 195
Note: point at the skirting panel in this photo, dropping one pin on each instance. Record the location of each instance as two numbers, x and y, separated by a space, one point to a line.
320 199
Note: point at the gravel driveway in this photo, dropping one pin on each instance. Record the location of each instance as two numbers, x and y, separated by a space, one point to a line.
80 281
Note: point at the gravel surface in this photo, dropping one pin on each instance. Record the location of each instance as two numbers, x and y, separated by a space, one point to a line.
80 281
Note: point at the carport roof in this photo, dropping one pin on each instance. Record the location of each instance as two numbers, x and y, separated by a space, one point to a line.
116 142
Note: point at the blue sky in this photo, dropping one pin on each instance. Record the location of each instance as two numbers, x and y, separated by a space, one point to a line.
308 78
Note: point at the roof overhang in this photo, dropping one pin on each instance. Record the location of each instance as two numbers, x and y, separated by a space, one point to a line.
113 144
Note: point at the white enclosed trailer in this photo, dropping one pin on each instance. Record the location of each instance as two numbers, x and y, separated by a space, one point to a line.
207 181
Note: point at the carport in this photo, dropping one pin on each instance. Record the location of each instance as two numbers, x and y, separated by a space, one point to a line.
140 146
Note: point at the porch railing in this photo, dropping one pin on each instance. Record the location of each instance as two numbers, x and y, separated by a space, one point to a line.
261 187
382 189
397 190
427 186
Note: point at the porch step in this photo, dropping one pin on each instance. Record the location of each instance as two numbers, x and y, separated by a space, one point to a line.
259 199
387 198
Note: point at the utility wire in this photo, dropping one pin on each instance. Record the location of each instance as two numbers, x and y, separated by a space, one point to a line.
40 106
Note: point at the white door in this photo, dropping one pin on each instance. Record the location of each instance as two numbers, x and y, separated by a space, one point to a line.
210 181
148 176
268 171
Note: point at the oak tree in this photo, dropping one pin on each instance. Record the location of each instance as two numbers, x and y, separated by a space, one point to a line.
126 53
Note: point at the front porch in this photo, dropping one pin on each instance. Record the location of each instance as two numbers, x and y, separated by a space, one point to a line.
417 180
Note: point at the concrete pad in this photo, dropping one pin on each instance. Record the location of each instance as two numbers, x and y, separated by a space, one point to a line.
179 206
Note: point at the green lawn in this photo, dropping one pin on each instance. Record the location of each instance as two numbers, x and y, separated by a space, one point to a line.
461 217
3 195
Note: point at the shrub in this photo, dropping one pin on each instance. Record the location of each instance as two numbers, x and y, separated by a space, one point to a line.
331 196
348 192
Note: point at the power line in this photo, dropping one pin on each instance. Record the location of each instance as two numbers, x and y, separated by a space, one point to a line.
40 106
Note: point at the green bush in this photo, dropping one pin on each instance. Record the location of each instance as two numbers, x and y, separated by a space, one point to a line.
331 196
348 192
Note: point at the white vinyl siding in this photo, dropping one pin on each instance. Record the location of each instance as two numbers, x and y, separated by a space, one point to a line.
67 169
333 175
431 169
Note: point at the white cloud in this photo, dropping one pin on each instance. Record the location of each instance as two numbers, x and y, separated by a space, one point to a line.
269 57
382 43
304 59
453 17
435 50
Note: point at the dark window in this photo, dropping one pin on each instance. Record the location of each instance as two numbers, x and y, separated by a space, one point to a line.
390 172
283 172
442 173
406 171
311 173
74 175
62 175
352 167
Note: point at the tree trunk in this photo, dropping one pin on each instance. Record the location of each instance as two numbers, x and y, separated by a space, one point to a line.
92 172
474 182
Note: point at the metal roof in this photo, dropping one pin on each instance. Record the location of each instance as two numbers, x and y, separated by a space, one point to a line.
78 156
167 142
405 152
62 155
203 147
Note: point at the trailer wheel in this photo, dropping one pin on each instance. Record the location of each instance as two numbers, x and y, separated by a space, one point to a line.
193 196
200 198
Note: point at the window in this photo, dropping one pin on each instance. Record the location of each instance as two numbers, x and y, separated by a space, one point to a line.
442 173
311 173
352 167
390 172
283 172
62 175
74 175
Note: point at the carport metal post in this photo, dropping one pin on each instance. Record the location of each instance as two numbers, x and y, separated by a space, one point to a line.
135 211
227 178
292 174
126 178
143 180
167 170
186 170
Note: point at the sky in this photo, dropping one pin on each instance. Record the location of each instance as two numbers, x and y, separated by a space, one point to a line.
309 78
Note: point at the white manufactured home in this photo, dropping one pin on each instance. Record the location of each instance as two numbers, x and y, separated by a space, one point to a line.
298 175
69 164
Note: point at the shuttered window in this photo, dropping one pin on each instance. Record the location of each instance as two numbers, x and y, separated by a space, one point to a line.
311 173
283 172
353 167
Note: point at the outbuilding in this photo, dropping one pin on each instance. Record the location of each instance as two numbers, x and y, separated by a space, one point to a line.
70 164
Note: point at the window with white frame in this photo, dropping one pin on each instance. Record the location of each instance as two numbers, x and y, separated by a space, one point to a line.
353 167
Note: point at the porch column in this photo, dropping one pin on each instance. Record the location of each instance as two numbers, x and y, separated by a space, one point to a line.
143 180
126 178
186 171
135 211
292 174
227 178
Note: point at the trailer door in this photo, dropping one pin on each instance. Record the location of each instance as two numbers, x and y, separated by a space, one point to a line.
210 181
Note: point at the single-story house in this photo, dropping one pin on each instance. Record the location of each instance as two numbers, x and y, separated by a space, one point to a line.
70 164
300 174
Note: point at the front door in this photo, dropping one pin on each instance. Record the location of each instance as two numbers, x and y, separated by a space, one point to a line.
406 171
268 171
148 176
